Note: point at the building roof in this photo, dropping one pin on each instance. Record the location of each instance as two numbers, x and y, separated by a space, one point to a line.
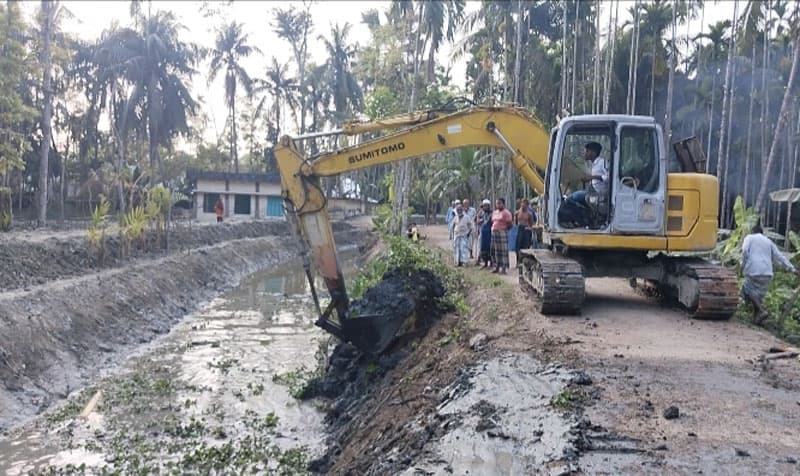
195 174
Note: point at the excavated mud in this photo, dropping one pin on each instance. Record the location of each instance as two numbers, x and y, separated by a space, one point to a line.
56 337
350 375
381 312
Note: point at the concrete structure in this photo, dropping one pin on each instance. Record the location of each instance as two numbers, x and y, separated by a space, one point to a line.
246 196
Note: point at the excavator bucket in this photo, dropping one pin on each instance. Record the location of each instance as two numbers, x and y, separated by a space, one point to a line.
372 333
376 317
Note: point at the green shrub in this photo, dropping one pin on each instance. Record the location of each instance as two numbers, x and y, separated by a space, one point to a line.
409 256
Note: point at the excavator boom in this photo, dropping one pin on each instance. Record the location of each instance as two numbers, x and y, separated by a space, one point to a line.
508 128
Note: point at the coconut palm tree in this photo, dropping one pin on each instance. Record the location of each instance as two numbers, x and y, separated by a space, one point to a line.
346 93
293 26
440 21
282 88
156 65
656 17
229 49
717 35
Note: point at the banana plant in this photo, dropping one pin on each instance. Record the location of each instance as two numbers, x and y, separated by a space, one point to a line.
746 219
97 228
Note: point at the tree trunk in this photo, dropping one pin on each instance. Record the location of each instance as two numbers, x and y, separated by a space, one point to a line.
120 143
575 58
725 173
610 65
564 66
636 60
670 84
403 179
61 184
725 94
301 70
518 56
747 158
653 77
48 17
782 119
765 92
711 119
699 64
596 79
234 138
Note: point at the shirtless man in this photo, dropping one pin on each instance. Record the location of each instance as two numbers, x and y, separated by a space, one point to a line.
524 221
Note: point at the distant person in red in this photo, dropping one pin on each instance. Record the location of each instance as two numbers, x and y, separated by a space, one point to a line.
219 209
501 223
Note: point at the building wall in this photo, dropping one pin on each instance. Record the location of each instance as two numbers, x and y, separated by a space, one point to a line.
259 200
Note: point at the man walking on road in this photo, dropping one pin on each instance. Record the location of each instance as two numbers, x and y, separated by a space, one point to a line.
451 216
501 223
758 254
463 229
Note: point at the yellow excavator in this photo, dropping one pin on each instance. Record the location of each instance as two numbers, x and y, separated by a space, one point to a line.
653 208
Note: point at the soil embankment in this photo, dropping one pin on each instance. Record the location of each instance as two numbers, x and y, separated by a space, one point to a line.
628 387
470 392
64 317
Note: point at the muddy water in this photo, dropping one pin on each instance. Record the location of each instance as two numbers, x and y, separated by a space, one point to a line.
212 395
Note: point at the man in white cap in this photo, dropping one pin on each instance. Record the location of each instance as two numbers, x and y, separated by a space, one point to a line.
451 216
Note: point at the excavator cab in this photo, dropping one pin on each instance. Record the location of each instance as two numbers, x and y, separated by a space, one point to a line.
630 200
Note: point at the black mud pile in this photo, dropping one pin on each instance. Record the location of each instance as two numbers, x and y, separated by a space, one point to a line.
351 375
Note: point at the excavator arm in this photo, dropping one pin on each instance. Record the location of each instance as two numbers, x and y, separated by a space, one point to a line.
421 133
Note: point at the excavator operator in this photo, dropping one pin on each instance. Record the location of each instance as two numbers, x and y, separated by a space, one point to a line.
575 210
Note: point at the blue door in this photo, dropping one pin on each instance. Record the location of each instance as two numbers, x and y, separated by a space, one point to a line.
274 206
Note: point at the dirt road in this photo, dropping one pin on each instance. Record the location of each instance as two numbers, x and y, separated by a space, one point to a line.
737 415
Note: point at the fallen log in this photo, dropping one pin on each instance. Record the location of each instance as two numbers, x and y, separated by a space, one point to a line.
780 355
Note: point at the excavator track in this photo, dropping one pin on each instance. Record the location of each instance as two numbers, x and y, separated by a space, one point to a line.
557 281
707 290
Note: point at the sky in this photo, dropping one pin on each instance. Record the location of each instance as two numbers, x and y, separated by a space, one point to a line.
92 17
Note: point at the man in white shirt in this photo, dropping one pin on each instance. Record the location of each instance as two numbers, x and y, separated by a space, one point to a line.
472 214
599 174
758 254
572 211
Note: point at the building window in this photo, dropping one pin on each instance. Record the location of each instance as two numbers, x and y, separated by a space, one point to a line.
241 204
274 206
209 202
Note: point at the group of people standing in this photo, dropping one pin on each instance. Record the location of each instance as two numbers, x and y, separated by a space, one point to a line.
489 228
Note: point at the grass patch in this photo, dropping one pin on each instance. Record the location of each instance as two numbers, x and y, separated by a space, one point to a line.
563 400
223 365
298 381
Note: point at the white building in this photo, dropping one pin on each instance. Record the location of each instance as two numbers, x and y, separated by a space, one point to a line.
245 196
